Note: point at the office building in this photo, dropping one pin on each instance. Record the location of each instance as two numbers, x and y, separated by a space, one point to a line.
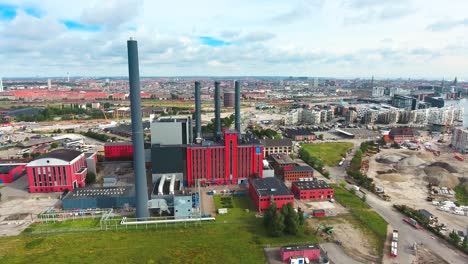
276 146
460 140
378 91
403 102
263 192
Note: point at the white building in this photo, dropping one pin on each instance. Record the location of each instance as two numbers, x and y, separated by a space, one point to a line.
378 91
460 140
1 84
293 117
311 117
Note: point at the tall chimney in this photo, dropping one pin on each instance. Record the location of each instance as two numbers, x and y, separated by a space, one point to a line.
198 134
217 111
237 108
141 188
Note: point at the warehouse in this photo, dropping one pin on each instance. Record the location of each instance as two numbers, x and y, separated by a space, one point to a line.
264 191
312 190
10 172
103 197
57 171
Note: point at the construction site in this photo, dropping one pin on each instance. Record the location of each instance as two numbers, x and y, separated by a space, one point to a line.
422 178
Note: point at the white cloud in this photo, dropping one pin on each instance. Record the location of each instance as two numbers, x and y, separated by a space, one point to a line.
344 38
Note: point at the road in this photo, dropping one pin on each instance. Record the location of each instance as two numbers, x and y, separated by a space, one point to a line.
408 234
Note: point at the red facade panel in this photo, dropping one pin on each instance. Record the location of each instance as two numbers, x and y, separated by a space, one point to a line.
118 152
10 176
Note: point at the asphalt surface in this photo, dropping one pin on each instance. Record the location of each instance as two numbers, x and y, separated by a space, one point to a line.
408 234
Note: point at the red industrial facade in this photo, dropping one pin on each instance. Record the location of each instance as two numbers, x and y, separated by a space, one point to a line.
10 172
312 190
229 163
312 252
56 171
118 151
265 191
295 173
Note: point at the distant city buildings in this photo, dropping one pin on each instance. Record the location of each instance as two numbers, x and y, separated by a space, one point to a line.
378 91
460 140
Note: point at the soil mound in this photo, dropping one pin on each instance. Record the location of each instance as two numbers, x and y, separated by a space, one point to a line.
412 161
441 177
389 158
444 165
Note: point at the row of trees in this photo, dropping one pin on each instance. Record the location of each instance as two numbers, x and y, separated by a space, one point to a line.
354 170
64 112
313 161
225 122
284 221
97 136
265 133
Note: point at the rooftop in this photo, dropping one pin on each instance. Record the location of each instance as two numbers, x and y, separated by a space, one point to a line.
34 142
404 131
311 185
300 168
100 192
118 143
276 142
270 186
282 158
300 247
6 168
62 154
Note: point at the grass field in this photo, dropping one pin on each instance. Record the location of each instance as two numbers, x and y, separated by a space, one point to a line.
364 214
330 152
237 237
461 195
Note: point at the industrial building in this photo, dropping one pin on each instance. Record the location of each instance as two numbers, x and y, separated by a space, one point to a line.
296 173
230 158
311 252
276 146
281 161
312 190
11 172
102 197
300 134
171 131
264 192
118 151
403 102
57 171
400 134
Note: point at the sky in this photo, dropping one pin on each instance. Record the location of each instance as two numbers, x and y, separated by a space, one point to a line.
316 38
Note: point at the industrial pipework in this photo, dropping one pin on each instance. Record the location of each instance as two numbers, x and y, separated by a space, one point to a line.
141 187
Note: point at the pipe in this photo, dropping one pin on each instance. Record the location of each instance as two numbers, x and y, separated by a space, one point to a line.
161 185
141 186
171 185
124 221
237 108
197 112
217 111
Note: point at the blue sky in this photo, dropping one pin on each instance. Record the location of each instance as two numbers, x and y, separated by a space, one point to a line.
333 38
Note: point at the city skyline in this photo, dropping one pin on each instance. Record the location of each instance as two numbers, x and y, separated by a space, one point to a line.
343 39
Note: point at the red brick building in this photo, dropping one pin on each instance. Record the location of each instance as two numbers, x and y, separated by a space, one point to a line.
400 134
265 191
312 252
56 171
118 151
295 173
312 190
11 172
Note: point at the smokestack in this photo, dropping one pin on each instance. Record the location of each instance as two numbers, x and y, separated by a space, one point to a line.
141 188
198 134
217 111
237 108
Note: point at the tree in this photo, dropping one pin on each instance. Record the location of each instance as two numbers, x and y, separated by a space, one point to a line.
320 136
396 145
54 145
291 219
454 238
26 155
90 178
35 154
273 221
343 184
268 214
465 243
326 174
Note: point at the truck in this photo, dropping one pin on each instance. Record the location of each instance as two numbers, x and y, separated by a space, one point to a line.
394 245
413 223
341 163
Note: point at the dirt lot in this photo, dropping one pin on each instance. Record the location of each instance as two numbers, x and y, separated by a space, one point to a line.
123 170
404 174
331 209
356 242
425 256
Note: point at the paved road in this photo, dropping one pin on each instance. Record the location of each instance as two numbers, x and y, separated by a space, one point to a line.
336 254
408 235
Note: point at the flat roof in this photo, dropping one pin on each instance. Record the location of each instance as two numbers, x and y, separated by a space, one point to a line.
62 154
311 185
300 247
100 192
300 168
270 186
282 158
33 142
6 168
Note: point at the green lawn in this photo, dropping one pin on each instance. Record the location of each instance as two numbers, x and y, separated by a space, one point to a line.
364 214
461 195
330 152
237 237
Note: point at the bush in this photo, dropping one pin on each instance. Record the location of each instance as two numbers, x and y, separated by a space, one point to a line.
90 178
